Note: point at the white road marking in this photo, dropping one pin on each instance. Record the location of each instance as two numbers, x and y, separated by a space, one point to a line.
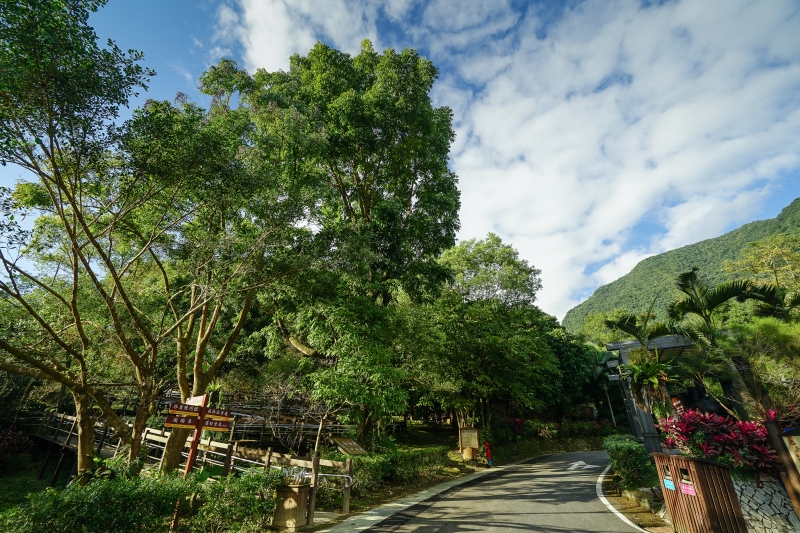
580 465
599 489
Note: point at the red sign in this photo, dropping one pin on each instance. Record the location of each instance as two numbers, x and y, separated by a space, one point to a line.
218 414
184 409
176 421
216 425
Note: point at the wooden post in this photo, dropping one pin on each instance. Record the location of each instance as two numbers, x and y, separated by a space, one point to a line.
346 488
226 466
46 460
57 470
792 475
267 459
196 438
312 500
103 438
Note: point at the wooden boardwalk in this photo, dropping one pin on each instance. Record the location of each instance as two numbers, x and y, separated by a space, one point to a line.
60 432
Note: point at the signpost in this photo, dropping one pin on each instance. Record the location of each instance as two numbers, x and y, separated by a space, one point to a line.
349 446
468 442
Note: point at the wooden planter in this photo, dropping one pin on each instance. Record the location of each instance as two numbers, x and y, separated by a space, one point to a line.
291 507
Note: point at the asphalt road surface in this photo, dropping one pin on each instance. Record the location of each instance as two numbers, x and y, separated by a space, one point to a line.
549 494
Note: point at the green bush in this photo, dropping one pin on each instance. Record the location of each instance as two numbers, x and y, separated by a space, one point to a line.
119 505
396 467
630 461
243 504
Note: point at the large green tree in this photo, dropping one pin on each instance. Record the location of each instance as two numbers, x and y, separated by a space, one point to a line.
363 138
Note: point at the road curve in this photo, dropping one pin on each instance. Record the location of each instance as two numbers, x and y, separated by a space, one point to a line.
539 495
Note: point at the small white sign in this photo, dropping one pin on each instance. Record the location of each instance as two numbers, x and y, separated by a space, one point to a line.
613 377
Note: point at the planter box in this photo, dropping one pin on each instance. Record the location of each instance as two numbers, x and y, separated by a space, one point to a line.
291 507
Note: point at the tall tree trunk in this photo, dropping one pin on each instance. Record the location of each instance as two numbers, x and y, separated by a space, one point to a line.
143 412
85 423
174 448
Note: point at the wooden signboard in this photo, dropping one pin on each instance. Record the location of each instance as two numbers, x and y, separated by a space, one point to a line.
216 425
198 400
184 409
468 438
349 446
793 443
677 404
177 421
218 414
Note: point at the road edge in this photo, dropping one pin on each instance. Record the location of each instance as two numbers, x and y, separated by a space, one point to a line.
599 490
416 503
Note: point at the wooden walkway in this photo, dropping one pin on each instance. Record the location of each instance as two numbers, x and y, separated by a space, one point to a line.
60 432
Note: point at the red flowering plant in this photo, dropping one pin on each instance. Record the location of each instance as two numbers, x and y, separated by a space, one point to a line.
742 445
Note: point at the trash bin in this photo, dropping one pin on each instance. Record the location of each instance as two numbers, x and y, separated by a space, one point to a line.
699 495
291 507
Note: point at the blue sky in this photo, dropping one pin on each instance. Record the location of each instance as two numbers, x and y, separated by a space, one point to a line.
591 134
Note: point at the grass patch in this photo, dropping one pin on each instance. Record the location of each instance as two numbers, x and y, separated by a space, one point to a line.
18 477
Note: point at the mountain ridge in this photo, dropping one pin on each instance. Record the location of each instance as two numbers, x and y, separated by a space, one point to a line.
655 275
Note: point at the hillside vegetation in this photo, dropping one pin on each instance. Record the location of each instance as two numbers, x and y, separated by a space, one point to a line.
655 275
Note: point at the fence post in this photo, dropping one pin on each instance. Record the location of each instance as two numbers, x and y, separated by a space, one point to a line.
267 459
346 488
312 501
226 466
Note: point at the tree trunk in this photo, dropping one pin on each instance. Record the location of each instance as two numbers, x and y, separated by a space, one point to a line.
365 422
174 448
143 413
734 398
85 425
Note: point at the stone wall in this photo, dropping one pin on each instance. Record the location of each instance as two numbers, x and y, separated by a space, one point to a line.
766 509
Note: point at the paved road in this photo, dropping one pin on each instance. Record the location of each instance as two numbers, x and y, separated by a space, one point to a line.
538 496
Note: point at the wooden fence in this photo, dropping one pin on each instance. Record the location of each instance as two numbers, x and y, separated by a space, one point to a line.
60 432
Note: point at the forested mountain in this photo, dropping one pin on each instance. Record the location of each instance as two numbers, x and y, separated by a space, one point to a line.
655 275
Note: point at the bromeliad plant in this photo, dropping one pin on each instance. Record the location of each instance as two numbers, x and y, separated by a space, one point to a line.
740 444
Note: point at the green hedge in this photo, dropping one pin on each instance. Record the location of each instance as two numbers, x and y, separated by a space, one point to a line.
103 506
632 464
241 504
396 467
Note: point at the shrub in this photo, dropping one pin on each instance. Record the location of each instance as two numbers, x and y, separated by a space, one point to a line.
630 461
12 441
117 505
397 467
742 445
544 430
234 503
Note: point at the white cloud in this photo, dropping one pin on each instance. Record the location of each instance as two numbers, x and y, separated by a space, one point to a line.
576 131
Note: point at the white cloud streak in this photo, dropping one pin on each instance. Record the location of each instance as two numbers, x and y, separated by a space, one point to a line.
574 132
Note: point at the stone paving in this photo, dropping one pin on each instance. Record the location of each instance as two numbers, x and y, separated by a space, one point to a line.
766 509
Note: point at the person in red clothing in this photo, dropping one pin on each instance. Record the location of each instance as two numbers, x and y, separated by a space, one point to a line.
488 453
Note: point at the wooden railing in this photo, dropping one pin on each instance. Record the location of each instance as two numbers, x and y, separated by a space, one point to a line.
60 431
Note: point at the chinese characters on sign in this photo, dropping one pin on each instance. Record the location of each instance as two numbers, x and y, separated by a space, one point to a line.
349 446
468 438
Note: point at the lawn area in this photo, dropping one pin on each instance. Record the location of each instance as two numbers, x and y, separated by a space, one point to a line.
18 477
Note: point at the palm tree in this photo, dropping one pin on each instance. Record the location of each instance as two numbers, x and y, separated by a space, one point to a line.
773 300
648 373
696 312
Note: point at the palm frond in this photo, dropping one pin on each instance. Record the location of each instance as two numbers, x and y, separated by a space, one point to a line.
625 323
724 292
660 329
678 310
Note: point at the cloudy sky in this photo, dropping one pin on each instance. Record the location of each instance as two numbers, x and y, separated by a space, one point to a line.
590 134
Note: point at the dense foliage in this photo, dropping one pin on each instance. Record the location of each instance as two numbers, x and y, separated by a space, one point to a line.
743 445
631 463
